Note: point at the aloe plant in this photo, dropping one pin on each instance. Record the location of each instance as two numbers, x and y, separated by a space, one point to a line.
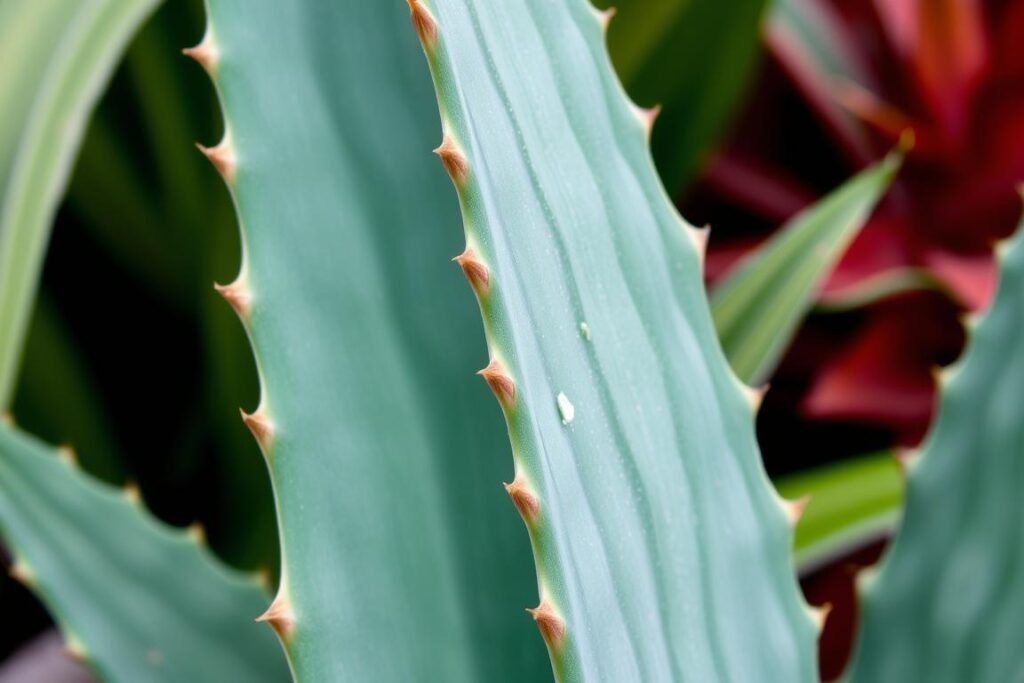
660 550
946 603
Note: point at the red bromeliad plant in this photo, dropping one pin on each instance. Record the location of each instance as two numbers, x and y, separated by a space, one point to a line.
858 75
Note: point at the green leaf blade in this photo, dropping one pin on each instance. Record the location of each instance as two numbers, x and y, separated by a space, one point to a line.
402 557
143 601
947 601
652 573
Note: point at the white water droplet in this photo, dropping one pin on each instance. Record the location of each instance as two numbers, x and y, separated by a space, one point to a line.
565 408
585 330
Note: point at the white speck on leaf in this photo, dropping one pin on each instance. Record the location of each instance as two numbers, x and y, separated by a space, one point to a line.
565 408
585 330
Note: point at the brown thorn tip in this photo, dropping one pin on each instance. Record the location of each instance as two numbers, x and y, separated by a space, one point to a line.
20 572
605 17
280 617
261 428
476 272
197 532
237 295
423 22
757 394
453 159
700 239
648 117
524 499
551 626
204 53
131 492
222 157
795 508
66 454
500 382
74 649
820 614
905 458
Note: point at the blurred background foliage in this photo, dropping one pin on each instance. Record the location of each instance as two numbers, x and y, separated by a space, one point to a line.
135 361
131 357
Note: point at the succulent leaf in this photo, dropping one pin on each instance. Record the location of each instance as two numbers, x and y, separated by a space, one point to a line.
947 601
137 600
402 558
662 552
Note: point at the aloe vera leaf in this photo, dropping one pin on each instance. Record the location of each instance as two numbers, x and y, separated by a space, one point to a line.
60 55
694 58
758 306
849 504
947 601
661 549
401 558
137 600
